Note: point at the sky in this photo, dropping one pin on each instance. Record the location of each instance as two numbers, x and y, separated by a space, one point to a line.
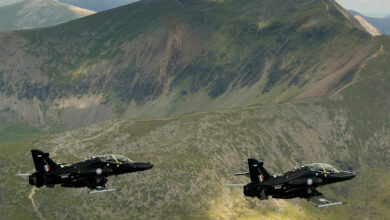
372 8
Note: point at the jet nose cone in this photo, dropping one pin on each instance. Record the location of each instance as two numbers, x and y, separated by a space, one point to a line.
349 175
342 176
143 166
149 166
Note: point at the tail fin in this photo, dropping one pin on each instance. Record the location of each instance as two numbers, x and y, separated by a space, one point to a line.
42 161
257 172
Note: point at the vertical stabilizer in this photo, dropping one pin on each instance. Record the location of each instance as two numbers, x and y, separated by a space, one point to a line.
42 161
257 172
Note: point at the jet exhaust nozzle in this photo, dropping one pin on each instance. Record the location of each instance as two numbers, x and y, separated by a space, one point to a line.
36 180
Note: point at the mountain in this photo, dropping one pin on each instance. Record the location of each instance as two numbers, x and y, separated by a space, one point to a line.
167 58
37 13
382 24
197 87
98 5
8 2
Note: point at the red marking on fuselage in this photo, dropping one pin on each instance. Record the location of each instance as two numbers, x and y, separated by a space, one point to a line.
46 167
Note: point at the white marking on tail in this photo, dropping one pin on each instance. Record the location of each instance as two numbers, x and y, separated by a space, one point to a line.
46 168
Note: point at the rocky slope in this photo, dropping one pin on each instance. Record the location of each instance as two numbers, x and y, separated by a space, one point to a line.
37 13
369 28
382 24
167 58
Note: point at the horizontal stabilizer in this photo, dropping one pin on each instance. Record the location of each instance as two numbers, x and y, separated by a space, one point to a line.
330 204
23 174
242 174
102 191
238 184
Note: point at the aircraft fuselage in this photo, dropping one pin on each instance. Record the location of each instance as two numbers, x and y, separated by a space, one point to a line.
297 183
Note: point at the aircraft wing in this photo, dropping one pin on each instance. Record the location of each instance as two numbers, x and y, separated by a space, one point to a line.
322 201
23 174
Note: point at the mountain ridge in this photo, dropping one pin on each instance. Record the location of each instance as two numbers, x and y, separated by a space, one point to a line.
369 27
38 13
99 6
382 24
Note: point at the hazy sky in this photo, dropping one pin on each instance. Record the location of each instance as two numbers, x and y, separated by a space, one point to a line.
377 8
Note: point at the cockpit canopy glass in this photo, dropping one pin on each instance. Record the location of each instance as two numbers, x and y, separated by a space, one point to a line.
322 167
114 158
122 159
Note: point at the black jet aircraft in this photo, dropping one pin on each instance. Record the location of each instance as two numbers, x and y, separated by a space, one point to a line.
91 173
298 183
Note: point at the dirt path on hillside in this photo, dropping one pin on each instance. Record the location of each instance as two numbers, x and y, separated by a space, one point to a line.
200 113
102 133
361 67
31 197
115 125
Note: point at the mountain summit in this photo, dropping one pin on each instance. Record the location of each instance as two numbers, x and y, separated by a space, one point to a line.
29 14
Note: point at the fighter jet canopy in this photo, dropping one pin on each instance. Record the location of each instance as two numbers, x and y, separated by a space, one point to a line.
322 167
114 158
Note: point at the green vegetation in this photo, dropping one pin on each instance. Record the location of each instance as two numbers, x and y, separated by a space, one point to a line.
18 132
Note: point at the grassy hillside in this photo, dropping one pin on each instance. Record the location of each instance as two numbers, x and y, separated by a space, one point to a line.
168 58
37 13
196 154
